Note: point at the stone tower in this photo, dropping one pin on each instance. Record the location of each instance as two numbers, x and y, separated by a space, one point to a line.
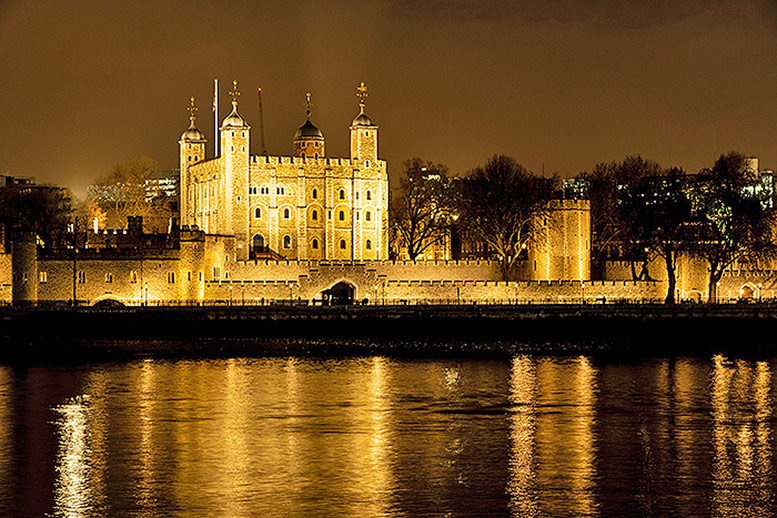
232 217
192 151
364 134
308 141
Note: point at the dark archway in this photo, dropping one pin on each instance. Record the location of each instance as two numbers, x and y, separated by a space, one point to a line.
340 294
108 304
258 244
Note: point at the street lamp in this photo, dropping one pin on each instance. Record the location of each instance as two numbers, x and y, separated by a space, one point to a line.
230 295
759 291
582 290
145 294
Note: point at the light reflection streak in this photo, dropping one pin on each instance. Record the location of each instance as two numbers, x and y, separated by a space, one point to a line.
147 391
72 494
741 437
584 482
379 469
6 423
522 483
237 456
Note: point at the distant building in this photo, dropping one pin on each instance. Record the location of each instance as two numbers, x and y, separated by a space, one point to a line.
163 182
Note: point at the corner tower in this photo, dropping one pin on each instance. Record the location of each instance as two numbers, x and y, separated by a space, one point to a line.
192 151
364 134
308 141
233 212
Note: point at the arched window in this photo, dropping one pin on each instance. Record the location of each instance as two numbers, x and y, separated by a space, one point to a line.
342 244
369 195
342 194
314 195
286 213
281 190
369 245
315 244
257 212
366 163
287 241
314 215
341 215
368 216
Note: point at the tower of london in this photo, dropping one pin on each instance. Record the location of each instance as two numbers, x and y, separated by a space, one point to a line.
303 206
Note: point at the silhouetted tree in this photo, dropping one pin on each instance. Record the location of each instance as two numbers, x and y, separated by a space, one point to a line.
505 206
421 207
658 212
42 209
735 216
607 185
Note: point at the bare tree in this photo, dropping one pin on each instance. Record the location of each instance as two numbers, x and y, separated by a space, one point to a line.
42 209
421 209
504 206
736 218
123 192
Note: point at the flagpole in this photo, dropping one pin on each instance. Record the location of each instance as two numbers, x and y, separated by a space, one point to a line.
215 118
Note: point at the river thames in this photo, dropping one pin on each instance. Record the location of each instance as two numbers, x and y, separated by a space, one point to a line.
375 436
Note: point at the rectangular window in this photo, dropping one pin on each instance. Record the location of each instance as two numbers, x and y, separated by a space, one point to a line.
200 276
44 277
189 276
133 277
216 272
171 277
108 277
82 277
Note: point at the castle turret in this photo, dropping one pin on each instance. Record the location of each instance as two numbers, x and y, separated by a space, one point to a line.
233 216
24 265
364 133
308 141
192 150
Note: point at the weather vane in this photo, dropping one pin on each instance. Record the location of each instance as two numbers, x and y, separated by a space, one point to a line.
361 93
192 108
308 104
234 92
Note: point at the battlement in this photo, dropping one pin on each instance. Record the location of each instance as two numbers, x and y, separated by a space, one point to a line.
301 161
570 204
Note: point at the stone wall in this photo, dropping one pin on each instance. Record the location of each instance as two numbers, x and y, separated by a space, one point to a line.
5 278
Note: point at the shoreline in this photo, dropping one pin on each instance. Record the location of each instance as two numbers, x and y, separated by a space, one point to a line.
41 334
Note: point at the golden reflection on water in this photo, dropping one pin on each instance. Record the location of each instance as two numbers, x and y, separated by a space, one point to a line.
522 482
6 423
741 437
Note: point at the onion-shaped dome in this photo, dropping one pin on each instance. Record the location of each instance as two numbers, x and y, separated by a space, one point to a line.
234 119
192 134
362 120
308 131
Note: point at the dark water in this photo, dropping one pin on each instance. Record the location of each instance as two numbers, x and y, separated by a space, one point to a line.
532 436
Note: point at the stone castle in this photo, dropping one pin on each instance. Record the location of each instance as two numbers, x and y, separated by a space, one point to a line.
259 229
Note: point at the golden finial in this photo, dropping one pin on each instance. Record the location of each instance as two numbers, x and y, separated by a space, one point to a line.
361 93
234 92
308 104
192 108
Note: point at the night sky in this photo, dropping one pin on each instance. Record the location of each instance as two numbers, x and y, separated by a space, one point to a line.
88 84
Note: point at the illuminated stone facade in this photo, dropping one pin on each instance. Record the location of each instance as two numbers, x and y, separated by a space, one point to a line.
304 206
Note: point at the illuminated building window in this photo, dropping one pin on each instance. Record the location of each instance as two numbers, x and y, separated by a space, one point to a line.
341 216
82 277
257 212
286 214
315 244
369 195
171 277
368 216
133 276
286 241
342 194
24 278
44 277
342 244
368 244
314 215
314 194
109 278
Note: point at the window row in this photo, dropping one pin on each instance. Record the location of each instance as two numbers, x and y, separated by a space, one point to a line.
108 277
314 243
313 214
313 193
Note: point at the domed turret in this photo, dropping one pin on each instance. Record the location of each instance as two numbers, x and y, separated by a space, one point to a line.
364 133
308 140
192 134
234 119
362 119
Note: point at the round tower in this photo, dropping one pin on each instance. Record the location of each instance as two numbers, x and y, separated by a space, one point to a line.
308 141
24 265
192 151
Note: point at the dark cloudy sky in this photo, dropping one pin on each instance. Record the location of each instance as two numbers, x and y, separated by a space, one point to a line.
87 84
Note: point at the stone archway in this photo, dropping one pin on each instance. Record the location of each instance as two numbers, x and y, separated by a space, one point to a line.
108 302
747 292
342 293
